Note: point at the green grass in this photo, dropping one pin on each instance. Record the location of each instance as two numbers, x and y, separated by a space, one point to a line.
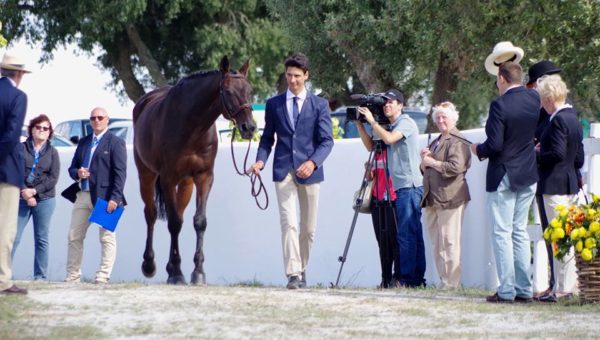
17 321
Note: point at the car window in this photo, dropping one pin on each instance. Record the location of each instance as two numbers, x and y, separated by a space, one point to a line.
75 129
88 127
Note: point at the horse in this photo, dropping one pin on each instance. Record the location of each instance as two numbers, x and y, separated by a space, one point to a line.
175 145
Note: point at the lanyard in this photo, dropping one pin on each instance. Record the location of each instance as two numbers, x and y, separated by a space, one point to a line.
36 158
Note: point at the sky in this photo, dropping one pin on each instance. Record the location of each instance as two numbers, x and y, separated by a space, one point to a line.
68 87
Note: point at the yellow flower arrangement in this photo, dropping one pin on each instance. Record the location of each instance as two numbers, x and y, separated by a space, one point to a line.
577 225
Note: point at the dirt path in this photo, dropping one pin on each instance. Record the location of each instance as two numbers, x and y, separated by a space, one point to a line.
57 310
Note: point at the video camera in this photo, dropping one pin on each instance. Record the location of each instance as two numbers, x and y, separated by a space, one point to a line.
374 102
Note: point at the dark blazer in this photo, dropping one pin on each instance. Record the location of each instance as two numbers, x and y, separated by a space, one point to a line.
46 172
510 129
311 140
13 106
108 168
561 154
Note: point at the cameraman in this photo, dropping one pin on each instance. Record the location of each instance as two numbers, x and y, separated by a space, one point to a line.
402 148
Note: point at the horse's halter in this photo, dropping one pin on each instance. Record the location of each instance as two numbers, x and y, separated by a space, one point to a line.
229 113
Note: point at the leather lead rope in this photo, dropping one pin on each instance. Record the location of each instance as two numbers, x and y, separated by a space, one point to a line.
253 177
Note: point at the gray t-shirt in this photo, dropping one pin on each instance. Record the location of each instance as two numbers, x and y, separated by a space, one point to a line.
403 156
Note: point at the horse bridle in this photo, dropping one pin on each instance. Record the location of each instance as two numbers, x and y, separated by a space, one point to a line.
253 177
243 107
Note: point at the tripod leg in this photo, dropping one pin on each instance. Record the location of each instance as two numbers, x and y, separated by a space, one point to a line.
342 258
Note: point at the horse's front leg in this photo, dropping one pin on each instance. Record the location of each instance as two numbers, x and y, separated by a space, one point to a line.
203 184
175 221
147 180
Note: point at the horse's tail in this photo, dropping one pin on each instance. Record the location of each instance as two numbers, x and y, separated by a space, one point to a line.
159 201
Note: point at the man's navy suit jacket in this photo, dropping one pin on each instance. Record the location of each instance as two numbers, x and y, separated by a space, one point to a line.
561 154
510 129
13 106
312 139
108 168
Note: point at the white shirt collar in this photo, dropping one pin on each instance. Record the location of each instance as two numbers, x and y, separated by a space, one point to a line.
302 95
511 87
561 107
98 137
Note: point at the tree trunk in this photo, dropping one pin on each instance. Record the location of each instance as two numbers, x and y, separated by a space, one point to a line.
146 57
445 83
121 61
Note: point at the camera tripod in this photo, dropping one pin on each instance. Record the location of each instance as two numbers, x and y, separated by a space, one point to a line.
383 205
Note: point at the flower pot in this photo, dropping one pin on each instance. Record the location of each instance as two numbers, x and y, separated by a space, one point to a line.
589 279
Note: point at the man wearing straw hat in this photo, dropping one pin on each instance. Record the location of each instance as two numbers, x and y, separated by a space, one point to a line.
511 173
13 106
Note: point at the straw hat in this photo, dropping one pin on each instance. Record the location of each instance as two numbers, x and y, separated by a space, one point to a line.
12 62
503 51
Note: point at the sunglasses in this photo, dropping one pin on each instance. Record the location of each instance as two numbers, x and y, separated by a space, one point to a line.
98 118
43 128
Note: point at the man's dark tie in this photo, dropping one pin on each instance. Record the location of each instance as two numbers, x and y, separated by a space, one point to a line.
295 110
87 158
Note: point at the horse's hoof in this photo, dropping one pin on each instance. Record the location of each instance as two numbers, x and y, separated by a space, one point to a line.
176 280
149 268
198 279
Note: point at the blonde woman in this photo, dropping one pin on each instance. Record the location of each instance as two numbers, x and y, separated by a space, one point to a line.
560 155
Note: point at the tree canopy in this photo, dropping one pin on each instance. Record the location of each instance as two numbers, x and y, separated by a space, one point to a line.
435 50
149 43
431 50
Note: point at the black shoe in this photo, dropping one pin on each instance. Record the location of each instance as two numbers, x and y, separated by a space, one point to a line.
522 299
550 297
293 282
497 299
303 280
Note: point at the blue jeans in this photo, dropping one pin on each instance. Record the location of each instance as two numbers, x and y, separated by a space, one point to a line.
509 211
42 214
410 236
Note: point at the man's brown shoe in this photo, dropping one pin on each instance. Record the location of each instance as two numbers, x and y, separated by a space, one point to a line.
497 299
14 290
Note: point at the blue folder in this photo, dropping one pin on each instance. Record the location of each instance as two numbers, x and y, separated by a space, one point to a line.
103 218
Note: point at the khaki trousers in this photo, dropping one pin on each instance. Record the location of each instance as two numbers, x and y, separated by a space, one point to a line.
565 271
296 249
444 227
82 210
9 209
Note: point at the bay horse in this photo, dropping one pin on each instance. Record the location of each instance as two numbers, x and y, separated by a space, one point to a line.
175 145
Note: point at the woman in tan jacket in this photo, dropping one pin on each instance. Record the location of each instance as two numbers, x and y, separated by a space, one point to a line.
446 193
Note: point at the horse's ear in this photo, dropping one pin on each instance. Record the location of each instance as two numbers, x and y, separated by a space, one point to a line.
244 69
224 66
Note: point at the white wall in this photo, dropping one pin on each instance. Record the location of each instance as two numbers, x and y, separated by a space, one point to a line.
243 243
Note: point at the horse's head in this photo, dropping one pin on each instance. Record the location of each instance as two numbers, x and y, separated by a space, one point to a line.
236 98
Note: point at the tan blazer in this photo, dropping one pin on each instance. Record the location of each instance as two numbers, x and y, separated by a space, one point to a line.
447 189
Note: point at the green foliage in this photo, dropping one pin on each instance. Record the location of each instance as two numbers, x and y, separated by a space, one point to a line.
3 40
182 36
435 50
338 131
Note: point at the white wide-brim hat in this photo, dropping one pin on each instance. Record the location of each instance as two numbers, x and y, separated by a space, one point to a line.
12 62
503 51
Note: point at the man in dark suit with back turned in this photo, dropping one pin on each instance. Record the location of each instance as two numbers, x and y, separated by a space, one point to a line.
13 106
511 180
302 123
100 164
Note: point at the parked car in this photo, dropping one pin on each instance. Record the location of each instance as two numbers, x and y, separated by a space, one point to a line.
60 141
351 131
122 129
76 129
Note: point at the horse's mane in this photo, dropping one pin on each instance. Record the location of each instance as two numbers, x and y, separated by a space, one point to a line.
199 74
